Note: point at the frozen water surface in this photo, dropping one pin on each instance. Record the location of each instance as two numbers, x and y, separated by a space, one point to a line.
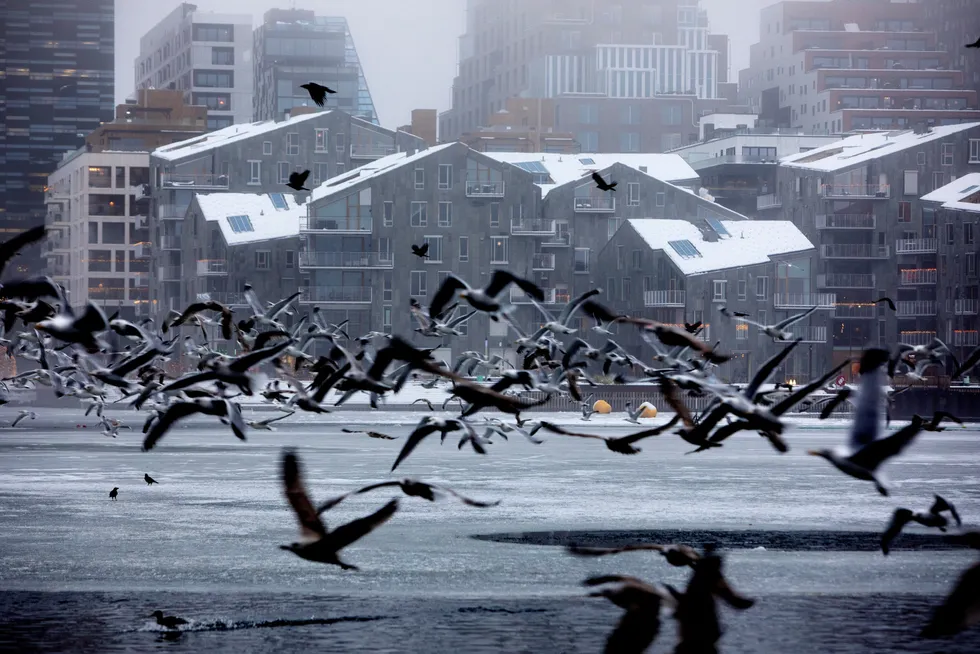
81 573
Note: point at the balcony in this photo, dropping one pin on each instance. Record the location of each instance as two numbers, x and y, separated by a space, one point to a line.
916 246
532 227
845 280
666 298
202 181
915 308
336 295
59 269
207 267
346 260
169 273
855 310
228 299
370 150
917 276
965 338
142 279
58 241
855 251
846 191
484 189
768 201
965 307
170 242
542 261
551 296
171 211
804 300
846 221
916 338
605 203
810 333
557 240
318 224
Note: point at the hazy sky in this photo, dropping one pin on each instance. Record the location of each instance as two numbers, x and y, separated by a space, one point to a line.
407 47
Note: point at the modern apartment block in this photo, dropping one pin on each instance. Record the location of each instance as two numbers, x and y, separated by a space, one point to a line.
57 85
294 46
859 201
251 158
205 55
676 271
957 22
832 67
612 72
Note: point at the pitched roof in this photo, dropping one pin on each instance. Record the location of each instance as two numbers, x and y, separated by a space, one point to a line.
564 168
267 221
858 149
751 242
962 194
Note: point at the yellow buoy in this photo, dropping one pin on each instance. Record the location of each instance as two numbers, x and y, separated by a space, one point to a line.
649 411
602 407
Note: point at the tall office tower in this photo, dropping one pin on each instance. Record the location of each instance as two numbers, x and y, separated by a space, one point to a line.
295 46
57 85
591 62
205 55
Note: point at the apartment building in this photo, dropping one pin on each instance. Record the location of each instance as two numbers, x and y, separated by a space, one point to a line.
205 55
956 23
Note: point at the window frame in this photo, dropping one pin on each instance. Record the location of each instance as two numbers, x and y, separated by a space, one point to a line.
423 290
321 139
432 239
448 184
254 172
420 179
463 254
764 281
268 259
388 213
448 222
717 284
632 199
506 245
423 215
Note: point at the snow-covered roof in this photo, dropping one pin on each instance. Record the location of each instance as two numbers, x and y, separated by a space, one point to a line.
564 168
861 148
341 183
230 134
269 216
962 194
750 242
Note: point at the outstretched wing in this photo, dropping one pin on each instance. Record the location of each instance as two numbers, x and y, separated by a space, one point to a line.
874 453
423 429
310 525
445 294
354 530
10 247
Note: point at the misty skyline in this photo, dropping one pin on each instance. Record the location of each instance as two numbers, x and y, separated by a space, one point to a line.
409 59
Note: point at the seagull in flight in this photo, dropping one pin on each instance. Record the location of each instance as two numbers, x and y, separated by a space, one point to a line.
777 330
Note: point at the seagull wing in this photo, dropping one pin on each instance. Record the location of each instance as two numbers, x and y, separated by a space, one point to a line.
900 518
310 525
167 419
354 530
445 294
424 428
801 393
632 438
874 453
501 278
10 247
574 305
960 610
767 369
783 324
555 429
246 361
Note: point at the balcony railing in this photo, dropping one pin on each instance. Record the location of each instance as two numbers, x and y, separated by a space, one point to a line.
917 276
916 246
855 251
846 280
484 189
846 221
346 260
336 294
966 338
855 310
855 191
804 300
595 204
212 267
169 273
665 298
551 296
916 338
768 201
557 240
915 308
542 261
236 299
363 225
810 333
206 180
171 211
965 307
370 151
170 242
532 227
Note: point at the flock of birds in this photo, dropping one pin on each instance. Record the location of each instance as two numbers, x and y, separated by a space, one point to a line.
99 359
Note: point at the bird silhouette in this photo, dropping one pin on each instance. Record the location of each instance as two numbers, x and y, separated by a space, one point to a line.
975 44
602 184
114 493
421 251
318 92
149 480
296 181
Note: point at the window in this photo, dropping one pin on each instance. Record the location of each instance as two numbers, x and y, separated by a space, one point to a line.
494 214
384 248
262 258
445 214
920 158
120 177
968 233
254 172
292 144
223 56
904 212
950 233
321 173
741 331
420 214
418 283
290 259
435 249
974 151
445 176
240 224
911 182
464 248
611 287
216 79
685 249
283 172
99 261
948 154
742 289
588 114
221 33
588 141
213 101
341 143
100 177
266 148
419 179
389 214
322 139
629 142
93 232
500 249
631 114
279 201
627 289
219 122
633 194
761 287
636 257
661 199
719 286
386 318
673 115
386 291
581 260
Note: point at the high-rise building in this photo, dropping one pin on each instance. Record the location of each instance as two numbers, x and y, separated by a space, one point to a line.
831 67
295 46
205 55
624 77
956 23
56 87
